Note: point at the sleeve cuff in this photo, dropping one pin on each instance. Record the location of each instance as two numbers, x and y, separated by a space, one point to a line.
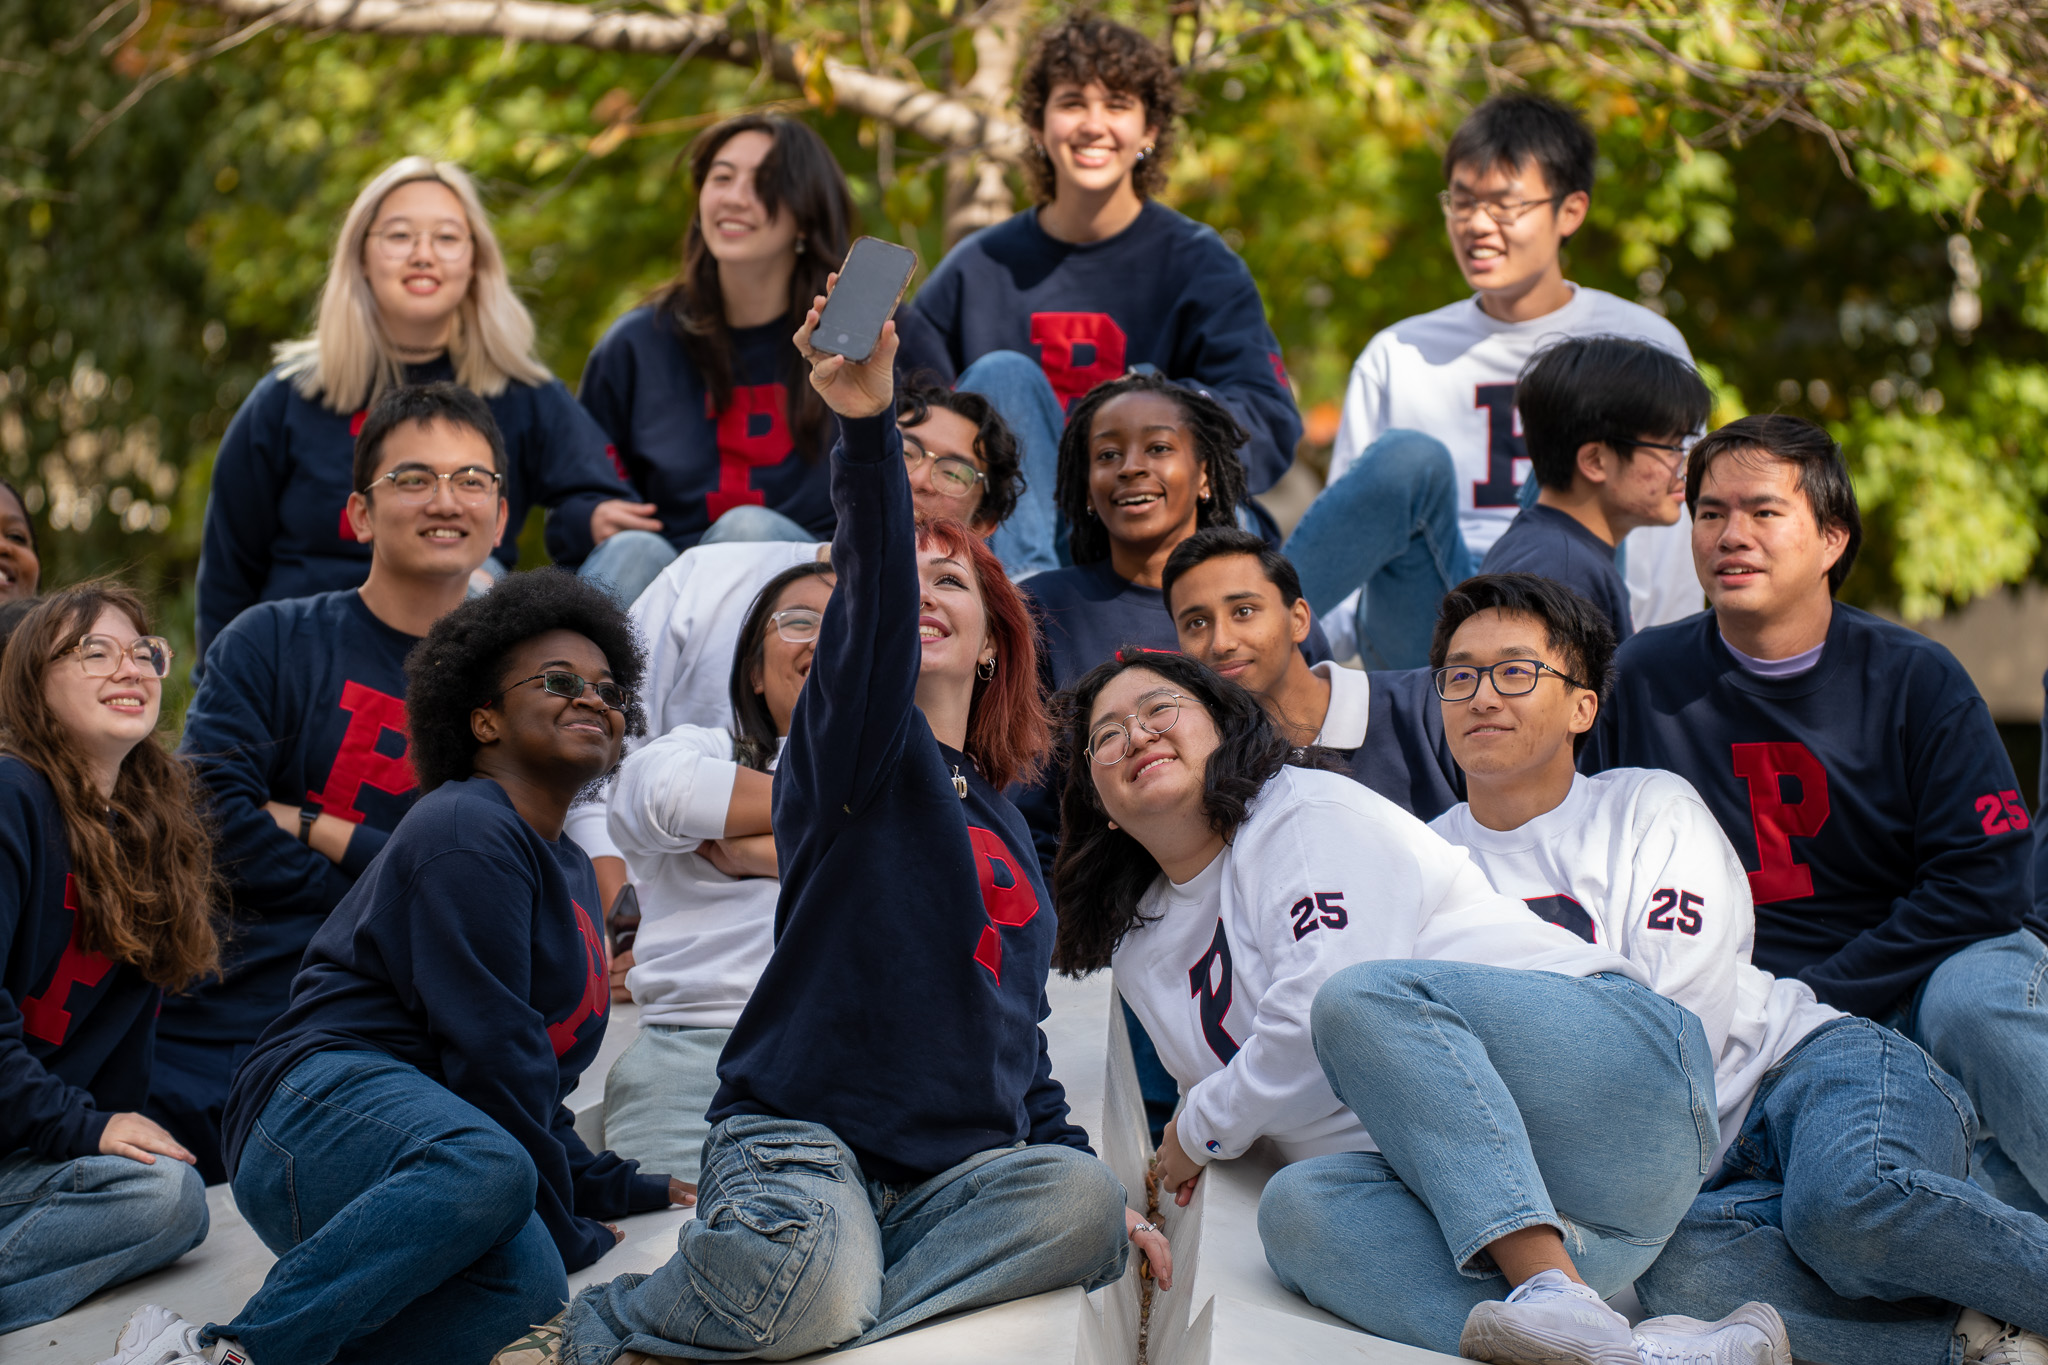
91 1128
647 1193
364 845
709 799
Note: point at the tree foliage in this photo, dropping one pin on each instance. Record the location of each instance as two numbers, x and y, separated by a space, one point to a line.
1839 203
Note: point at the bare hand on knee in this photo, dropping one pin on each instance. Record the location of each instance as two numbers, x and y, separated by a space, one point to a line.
135 1137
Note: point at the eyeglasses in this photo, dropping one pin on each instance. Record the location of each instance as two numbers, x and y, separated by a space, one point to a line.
1459 208
559 682
952 476
396 243
414 484
1511 678
100 655
1111 742
798 625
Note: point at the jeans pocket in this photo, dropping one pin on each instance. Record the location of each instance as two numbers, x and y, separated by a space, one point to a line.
266 1193
747 1256
779 1159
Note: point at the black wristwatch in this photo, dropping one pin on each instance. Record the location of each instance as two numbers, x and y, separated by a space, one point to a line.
307 815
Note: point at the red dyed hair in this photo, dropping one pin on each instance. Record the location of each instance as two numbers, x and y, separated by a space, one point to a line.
1008 731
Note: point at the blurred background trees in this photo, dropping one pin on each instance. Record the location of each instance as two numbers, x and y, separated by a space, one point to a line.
1839 203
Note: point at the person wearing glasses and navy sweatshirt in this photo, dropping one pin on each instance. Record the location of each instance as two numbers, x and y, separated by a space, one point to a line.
298 732
398 1137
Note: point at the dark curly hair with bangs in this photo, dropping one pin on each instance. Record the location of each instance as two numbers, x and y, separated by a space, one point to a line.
1002 479
1217 436
1101 872
461 664
1088 48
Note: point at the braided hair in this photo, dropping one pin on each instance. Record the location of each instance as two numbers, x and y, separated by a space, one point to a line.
1218 437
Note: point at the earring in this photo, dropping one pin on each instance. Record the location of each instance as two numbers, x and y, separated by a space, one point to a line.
799 246
986 669
1144 151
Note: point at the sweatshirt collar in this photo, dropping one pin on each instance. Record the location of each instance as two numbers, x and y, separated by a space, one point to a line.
1350 706
1546 828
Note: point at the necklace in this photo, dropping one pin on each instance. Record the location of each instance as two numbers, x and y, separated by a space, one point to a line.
959 782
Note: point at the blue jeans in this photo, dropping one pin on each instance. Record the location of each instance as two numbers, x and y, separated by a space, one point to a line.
1389 526
750 522
794 1250
68 1229
1846 1204
1983 1014
1029 541
627 562
1500 1100
402 1218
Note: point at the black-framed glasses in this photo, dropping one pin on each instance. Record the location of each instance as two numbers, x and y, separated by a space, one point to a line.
415 484
560 682
1110 743
798 625
1511 678
1460 207
951 475
100 655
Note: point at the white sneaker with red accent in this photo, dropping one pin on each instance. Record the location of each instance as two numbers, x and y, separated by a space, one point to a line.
157 1336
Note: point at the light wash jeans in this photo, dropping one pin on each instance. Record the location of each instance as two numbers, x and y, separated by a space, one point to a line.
1031 540
655 1096
402 1218
1983 1015
627 562
1846 1204
68 1229
1500 1100
750 522
1389 526
794 1250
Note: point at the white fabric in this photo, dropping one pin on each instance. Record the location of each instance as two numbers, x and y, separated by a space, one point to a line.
689 619
1350 706
1423 374
1791 666
1634 847
704 937
1370 882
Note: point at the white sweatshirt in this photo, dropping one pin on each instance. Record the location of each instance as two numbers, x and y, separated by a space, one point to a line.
1323 873
689 619
1635 858
704 936
1442 374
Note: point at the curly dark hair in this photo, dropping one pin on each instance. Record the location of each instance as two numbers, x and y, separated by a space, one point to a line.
1218 437
461 664
1087 47
1003 477
1101 872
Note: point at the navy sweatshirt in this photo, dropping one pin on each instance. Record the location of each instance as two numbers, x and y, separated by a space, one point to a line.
901 1007
75 1029
1406 757
277 517
1542 540
1869 798
1165 292
303 702
692 463
471 951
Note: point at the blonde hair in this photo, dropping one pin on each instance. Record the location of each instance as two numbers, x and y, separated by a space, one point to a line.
349 359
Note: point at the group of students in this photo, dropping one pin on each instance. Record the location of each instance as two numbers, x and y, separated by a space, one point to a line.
1584 940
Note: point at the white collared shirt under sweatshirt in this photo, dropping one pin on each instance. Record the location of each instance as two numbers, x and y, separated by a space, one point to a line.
1641 855
1322 874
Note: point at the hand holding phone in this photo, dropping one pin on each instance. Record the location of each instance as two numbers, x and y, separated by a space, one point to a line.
866 386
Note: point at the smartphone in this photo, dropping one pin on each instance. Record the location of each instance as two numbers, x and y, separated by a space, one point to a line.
624 920
871 284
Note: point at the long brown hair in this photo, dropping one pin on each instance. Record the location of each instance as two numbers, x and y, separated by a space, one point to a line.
145 878
1008 730
800 174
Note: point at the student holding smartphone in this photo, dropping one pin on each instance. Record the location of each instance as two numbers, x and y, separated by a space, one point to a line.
1098 279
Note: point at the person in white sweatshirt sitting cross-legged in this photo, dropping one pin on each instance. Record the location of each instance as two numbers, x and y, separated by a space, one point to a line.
1841 1193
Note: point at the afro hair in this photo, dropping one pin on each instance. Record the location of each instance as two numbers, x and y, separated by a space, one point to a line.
461 664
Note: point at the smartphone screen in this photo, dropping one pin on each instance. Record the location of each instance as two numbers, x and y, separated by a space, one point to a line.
871 283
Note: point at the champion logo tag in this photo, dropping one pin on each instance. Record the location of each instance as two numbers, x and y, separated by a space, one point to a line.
1212 1146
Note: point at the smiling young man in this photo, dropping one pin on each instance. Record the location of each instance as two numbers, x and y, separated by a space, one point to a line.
298 730
1856 770
1236 604
1429 460
1606 421
1842 1195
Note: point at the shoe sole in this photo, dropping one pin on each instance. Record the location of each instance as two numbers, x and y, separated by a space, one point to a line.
1489 1337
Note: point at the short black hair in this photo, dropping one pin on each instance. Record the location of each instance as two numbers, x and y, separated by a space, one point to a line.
437 402
1218 437
1517 127
1604 388
1003 473
1823 473
461 664
754 737
1572 626
1214 542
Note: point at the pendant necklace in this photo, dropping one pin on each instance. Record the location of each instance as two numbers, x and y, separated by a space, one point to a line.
959 782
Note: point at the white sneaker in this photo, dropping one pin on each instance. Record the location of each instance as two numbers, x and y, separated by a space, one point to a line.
1753 1334
154 1336
1987 1341
1548 1320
